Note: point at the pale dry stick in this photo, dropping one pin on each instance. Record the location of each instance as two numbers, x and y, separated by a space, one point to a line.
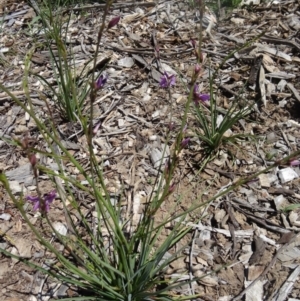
264 273
285 290
114 6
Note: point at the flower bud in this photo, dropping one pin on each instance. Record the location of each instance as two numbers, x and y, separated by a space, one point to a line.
96 128
32 159
197 69
294 162
172 188
185 142
113 22
101 81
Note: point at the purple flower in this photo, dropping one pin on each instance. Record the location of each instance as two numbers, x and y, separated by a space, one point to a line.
113 22
185 142
101 81
198 97
167 81
44 204
294 162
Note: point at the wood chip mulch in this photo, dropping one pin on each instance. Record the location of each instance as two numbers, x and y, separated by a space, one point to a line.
247 232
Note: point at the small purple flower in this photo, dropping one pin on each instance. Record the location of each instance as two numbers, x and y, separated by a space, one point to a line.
113 22
101 81
185 142
197 69
294 162
198 97
167 81
96 128
44 204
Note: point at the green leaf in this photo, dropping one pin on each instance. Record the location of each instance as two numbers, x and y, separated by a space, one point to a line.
291 207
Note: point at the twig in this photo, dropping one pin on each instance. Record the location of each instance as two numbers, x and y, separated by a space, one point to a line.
114 6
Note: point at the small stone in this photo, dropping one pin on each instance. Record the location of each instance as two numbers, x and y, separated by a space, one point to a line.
5 216
287 174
